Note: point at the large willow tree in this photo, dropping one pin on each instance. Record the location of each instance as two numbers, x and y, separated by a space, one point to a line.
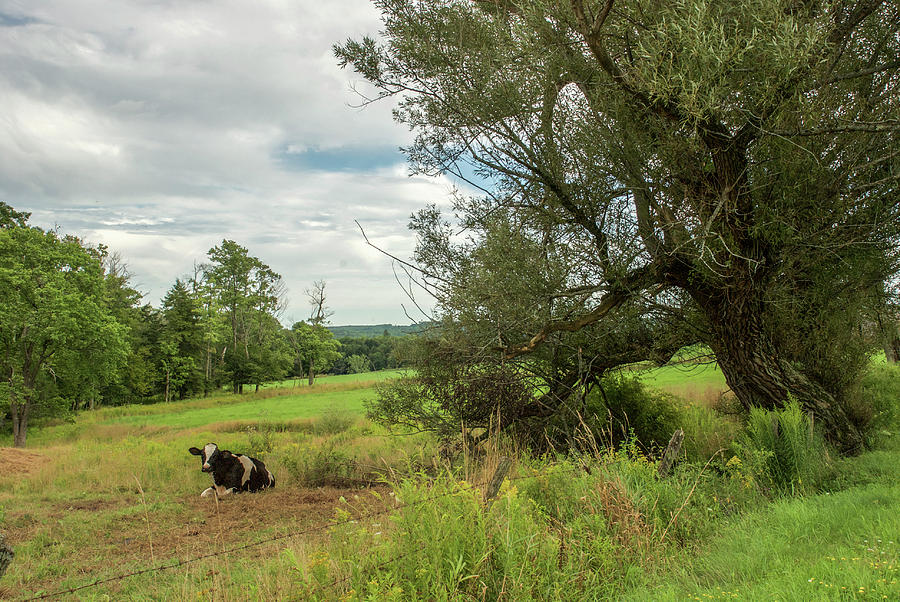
741 155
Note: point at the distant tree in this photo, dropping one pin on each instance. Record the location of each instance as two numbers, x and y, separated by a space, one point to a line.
181 347
55 321
378 350
124 302
271 350
214 327
359 363
10 218
320 311
315 348
246 290
139 378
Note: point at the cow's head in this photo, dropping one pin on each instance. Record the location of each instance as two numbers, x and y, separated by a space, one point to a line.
210 454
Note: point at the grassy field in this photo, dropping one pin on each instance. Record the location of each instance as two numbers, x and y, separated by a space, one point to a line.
115 492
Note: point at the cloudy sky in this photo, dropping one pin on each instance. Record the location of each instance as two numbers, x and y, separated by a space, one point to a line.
160 127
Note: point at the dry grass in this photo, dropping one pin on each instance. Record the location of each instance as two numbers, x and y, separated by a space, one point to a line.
19 462
630 529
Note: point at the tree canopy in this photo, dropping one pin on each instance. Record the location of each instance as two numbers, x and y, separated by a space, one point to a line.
250 294
728 165
56 328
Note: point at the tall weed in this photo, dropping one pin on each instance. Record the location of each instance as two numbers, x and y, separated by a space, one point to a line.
782 450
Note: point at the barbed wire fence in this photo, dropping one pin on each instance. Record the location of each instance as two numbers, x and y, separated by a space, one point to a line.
493 485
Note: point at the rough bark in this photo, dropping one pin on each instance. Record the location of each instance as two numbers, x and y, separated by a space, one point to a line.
19 416
760 377
892 351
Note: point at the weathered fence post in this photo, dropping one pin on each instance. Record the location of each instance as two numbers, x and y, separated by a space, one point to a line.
671 453
497 480
6 555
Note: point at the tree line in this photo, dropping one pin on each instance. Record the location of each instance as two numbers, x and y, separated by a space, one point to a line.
75 334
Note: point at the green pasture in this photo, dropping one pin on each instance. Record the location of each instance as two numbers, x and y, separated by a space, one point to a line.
705 375
328 379
283 407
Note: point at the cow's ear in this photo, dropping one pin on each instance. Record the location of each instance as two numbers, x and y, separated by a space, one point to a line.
225 453
195 451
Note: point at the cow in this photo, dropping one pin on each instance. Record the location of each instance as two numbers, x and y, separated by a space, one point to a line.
232 473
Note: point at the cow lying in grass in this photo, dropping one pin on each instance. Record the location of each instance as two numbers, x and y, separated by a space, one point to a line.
232 473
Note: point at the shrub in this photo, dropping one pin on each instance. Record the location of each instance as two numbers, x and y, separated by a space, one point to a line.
322 466
455 547
781 449
332 423
260 440
623 408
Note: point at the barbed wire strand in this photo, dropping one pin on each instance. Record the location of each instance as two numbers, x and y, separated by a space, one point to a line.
307 531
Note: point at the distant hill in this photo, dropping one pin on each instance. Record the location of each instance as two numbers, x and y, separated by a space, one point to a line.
374 330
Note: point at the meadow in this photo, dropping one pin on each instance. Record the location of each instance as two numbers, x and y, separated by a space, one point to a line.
107 507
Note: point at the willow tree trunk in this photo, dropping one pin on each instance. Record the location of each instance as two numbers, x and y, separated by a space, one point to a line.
312 373
760 377
892 351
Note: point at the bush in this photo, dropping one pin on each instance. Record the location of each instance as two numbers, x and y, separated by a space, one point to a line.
623 408
455 547
781 449
260 440
322 466
332 423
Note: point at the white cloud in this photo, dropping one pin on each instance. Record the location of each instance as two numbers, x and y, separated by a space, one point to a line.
160 128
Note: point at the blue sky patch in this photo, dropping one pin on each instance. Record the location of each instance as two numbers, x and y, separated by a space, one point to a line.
340 159
8 20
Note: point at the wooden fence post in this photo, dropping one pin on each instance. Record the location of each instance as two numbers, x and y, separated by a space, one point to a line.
497 480
6 555
671 453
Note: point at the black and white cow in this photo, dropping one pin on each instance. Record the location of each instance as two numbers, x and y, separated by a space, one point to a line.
232 473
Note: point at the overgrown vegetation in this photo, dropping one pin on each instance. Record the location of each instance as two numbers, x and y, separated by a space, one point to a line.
384 517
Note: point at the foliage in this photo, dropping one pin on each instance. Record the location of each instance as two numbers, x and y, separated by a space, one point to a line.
373 331
729 166
319 466
379 352
880 391
623 409
448 393
314 347
706 432
782 450
461 381
182 336
358 363
250 295
57 334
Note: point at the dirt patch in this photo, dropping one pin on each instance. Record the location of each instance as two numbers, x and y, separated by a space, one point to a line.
257 524
21 462
282 510
89 505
